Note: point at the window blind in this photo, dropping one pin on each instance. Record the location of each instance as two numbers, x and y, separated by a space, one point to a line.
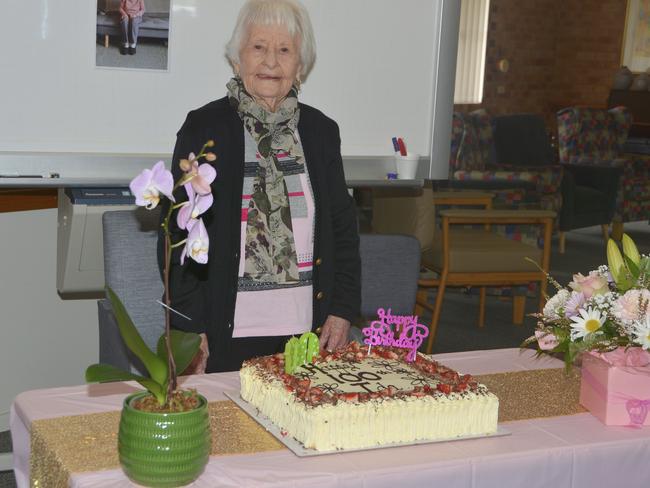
472 41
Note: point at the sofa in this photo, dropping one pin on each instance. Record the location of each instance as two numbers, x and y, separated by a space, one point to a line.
155 21
509 156
589 136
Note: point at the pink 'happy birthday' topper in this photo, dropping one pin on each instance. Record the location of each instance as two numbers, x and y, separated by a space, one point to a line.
380 332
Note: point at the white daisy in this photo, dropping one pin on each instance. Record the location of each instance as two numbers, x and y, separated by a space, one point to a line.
588 322
641 332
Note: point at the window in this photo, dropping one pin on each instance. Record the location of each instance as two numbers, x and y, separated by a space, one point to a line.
472 41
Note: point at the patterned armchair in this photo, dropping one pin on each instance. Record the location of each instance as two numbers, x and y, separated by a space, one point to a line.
511 157
596 137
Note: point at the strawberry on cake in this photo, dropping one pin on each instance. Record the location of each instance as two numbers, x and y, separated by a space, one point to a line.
351 399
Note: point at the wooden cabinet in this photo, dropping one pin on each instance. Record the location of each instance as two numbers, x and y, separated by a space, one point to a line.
638 103
21 199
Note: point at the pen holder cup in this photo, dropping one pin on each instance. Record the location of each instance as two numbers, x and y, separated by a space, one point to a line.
406 166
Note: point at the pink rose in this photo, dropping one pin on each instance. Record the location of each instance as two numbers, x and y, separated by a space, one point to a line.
590 285
546 340
632 306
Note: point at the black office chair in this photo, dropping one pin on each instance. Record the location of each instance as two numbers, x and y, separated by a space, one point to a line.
390 267
588 198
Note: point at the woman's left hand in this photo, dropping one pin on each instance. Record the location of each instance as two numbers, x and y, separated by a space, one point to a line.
334 334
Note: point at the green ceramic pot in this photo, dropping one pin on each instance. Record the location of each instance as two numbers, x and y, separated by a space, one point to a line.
163 449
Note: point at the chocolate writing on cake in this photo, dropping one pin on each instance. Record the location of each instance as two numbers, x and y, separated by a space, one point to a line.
369 376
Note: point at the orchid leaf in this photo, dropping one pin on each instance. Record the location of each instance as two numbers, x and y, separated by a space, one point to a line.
185 345
100 373
157 368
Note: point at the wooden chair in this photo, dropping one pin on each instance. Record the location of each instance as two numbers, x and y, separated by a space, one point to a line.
479 257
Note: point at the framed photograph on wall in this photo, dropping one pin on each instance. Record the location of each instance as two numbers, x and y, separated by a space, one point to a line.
132 34
636 38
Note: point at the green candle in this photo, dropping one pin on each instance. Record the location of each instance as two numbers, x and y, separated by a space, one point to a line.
300 351
309 341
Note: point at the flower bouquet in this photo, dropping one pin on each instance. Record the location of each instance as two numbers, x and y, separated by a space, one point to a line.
604 319
164 424
607 309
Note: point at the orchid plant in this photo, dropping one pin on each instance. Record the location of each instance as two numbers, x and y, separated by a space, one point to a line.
175 349
607 309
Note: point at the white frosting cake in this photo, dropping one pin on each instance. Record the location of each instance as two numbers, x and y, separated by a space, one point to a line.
349 400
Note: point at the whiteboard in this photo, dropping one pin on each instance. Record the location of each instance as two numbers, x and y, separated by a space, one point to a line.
384 68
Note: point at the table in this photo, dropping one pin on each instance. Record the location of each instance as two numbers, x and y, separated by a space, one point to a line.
572 451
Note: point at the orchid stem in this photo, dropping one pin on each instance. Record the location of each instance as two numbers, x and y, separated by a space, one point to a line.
178 244
172 380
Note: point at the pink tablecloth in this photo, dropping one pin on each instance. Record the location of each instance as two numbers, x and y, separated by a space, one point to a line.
574 451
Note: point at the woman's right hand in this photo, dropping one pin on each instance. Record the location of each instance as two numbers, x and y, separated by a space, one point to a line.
200 361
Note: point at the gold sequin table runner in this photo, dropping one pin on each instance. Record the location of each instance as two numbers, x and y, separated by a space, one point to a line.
82 443
525 395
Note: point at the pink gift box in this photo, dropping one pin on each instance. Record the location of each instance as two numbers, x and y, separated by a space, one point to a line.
616 395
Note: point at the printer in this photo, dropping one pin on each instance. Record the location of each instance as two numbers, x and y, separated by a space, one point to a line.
80 249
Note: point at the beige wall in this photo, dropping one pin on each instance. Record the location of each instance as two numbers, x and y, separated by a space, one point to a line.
44 341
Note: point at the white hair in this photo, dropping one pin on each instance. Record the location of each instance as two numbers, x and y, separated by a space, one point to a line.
289 13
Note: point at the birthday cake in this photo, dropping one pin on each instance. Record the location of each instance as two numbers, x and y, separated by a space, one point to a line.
355 398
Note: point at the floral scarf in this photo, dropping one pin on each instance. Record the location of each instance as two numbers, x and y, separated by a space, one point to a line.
270 249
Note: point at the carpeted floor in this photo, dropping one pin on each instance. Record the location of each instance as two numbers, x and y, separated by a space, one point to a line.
150 54
6 477
457 330
5 442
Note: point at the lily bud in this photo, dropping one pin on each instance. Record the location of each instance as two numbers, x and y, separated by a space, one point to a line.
210 156
630 250
615 261
210 143
185 165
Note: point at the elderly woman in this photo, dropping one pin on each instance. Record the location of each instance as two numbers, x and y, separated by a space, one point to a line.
284 248
131 12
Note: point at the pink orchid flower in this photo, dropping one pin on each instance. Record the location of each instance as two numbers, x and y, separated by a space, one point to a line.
203 176
197 244
149 184
193 208
546 340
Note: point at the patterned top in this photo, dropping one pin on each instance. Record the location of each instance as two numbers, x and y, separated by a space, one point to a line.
268 308
132 7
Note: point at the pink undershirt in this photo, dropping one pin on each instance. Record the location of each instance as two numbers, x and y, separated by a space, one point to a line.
285 311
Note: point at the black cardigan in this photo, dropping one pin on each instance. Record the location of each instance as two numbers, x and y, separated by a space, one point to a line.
207 293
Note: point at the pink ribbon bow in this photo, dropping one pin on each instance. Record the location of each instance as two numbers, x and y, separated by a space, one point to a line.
637 410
